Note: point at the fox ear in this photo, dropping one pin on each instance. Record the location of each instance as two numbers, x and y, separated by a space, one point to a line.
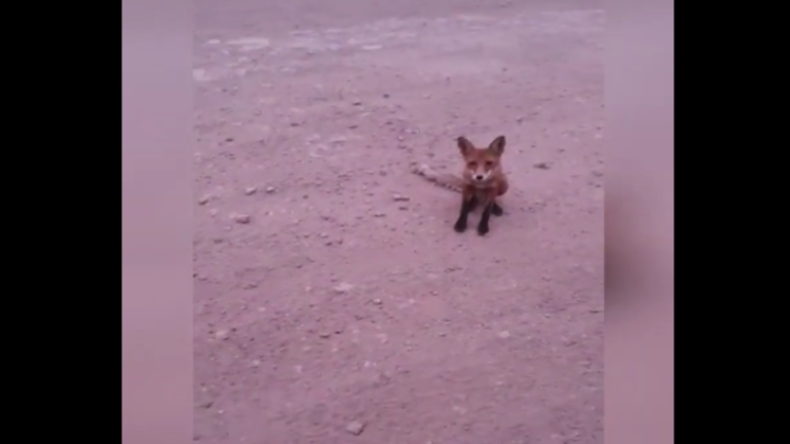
465 145
498 145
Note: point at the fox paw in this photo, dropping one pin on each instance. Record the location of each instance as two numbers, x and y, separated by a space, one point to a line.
460 226
482 230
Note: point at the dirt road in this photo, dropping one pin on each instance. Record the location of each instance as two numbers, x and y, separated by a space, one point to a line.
334 303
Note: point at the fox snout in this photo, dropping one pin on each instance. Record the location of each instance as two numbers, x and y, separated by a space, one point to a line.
480 176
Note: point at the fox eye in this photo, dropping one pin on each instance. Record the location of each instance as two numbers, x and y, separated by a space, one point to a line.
472 165
489 164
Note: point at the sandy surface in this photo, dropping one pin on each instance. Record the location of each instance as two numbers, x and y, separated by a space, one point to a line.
328 310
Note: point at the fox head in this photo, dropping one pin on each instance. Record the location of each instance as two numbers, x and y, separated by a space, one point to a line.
481 163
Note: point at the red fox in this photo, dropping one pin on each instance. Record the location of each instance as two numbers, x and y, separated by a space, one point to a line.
481 181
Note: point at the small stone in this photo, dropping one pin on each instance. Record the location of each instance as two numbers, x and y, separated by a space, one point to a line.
357 103
343 287
249 191
355 427
400 198
204 200
270 189
222 334
403 207
377 301
504 334
542 165
353 126
379 214
241 218
213 212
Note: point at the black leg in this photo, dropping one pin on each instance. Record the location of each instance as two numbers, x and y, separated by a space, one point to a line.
482 229
473 204
496 210
460 224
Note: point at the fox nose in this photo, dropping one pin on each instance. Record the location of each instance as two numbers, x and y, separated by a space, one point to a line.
479 177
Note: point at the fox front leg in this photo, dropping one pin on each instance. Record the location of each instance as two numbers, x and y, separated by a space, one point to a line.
483 228
467 203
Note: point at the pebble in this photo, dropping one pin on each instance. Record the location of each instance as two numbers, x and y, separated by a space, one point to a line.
222 334
270 189
204 200
241 218
504 334
355 427
343 287
400 198
250 191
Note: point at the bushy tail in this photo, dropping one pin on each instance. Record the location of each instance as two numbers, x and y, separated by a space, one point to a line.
446 180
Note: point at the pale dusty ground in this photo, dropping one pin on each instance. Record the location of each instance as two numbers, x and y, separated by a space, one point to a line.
336 303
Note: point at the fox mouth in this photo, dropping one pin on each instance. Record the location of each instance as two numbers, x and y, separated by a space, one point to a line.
481 183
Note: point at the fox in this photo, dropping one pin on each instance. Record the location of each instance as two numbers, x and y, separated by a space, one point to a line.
482 180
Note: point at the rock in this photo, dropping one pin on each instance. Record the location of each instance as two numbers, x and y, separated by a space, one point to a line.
222 334
249 191
241 218
270 189
400 198
343 287
504 334
355 427
204 200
